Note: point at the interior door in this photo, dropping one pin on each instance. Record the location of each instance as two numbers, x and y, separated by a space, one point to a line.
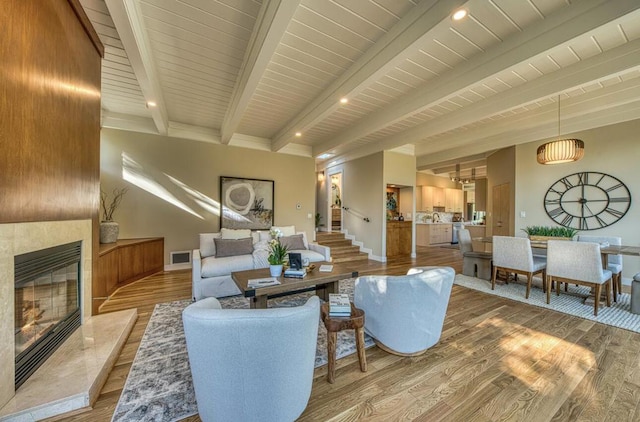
500 209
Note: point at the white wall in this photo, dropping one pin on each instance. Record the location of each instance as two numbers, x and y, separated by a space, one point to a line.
614 150
188 172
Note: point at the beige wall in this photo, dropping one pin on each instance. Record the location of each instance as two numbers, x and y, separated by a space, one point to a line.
363 191
612 150
188 172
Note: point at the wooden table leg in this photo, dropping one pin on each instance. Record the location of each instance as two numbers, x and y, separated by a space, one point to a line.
258 302
362 357
331 356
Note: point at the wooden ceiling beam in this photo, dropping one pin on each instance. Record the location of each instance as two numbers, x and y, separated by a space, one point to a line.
271 24
392 49
568 23
129 23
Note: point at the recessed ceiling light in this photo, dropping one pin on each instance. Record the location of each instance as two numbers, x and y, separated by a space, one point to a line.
324 156
344 100
151 104
298 134
459 14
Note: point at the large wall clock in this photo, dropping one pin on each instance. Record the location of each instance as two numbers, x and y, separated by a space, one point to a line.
587 201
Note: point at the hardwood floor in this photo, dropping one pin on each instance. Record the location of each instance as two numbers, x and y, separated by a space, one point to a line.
496 360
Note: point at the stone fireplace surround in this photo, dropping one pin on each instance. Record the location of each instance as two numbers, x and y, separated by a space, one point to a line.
101 336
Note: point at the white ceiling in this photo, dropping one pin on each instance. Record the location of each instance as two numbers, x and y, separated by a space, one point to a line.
252 73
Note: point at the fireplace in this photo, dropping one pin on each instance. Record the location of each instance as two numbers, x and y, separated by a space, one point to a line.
47 304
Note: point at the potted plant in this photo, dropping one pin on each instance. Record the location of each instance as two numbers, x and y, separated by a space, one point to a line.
277 253
109 229
546 233
318 221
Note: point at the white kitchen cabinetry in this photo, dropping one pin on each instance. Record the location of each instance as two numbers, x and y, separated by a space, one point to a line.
427 198
454 200
439 197
433 234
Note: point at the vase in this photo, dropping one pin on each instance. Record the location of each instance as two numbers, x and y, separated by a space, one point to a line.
109 231
275 270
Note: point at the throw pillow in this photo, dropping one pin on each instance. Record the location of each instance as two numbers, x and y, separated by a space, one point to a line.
293 243
233 247
207 246
286 230
235 233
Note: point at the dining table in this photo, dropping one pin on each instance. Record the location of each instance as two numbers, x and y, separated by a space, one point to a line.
605 251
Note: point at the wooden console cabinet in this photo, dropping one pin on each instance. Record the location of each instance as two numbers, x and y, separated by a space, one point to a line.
398 238
125 261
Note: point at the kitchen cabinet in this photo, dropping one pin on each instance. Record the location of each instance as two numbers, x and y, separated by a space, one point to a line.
453 200
433 234
427 198
471 197
439 197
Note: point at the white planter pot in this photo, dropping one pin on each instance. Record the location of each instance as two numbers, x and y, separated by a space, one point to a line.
109 231
275 270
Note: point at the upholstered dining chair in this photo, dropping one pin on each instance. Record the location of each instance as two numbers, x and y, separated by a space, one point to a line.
474 264
514 255
577 263
614 262
251 364
405 314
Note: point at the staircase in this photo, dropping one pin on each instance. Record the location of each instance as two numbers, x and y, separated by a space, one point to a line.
342 250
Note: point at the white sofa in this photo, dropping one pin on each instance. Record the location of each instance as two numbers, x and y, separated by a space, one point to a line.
211 274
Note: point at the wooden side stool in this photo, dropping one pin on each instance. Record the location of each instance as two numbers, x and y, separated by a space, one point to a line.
336 324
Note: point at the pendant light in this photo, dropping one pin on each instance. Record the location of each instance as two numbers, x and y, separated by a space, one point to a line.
561 150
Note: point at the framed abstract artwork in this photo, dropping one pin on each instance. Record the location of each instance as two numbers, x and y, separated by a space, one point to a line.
246 203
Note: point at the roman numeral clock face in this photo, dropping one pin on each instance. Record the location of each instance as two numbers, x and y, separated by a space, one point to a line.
587 200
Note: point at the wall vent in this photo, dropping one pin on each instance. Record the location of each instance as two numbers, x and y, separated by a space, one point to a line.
180 257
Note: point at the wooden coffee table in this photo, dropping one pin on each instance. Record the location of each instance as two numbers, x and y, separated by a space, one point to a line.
323 283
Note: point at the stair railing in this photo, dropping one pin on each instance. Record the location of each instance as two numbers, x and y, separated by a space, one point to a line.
356 213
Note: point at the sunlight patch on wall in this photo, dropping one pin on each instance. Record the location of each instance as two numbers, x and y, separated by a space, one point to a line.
200 198
135 174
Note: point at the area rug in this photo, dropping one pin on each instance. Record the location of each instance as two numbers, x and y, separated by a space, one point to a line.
571 302
159 386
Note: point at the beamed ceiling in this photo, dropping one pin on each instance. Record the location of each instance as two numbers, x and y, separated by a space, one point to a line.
253 73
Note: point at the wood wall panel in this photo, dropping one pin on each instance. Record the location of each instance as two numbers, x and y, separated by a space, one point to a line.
50 114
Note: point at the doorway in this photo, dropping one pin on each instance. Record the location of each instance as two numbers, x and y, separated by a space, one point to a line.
335 202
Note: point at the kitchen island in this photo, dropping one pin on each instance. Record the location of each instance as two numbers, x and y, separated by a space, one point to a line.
428 234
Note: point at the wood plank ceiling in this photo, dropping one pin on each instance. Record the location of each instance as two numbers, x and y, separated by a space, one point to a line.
253 73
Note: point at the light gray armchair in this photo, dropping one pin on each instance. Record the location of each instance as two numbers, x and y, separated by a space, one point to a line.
405 314
514 255
251 365
579 263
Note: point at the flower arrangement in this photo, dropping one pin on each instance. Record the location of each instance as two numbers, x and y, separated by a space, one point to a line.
277 251
108 211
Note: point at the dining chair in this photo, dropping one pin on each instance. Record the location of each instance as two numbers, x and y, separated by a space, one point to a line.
514 255
614 262
474 264
577 263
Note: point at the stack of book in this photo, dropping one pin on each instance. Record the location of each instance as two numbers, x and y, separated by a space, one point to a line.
291 273
339 305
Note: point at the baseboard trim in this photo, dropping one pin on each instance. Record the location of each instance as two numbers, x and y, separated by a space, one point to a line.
175 267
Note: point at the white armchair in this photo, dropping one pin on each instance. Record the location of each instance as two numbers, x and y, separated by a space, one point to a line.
514 255
405 314
578 263
251 365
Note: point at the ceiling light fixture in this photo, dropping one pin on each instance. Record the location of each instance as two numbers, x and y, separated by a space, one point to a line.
456 177
561 150
344 100
459 14
151 104
298 134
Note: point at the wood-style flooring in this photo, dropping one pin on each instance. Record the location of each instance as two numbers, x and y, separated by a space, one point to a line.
497 360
